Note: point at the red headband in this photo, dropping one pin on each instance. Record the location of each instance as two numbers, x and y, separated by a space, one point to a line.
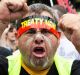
37 22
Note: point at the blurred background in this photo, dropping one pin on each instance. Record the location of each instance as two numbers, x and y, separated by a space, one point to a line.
68 4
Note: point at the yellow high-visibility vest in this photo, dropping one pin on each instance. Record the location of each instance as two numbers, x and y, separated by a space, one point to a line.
63 65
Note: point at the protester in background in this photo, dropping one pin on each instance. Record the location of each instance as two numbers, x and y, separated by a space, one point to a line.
9 38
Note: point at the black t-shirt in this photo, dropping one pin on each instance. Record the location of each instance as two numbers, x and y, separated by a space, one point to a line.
75 70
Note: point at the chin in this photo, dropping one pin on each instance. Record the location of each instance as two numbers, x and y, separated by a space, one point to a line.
40 64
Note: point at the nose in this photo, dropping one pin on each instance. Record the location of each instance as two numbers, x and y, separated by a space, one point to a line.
38 38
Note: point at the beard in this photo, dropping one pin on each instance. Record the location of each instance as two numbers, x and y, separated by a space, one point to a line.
39 63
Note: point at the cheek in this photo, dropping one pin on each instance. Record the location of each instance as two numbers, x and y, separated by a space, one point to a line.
22 41
53 40
25 44
54 44
10 36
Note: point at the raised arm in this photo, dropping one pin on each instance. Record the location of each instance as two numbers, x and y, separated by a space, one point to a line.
70 24
11 10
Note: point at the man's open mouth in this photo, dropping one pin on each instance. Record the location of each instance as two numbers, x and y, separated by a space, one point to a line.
39 52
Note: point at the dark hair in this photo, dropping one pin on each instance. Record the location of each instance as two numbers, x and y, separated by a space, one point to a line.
11 28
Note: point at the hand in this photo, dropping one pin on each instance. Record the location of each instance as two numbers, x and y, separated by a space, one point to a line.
14 5
70 25
12 9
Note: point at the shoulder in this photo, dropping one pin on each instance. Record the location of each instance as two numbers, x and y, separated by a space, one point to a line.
3 60
5 52
3 65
